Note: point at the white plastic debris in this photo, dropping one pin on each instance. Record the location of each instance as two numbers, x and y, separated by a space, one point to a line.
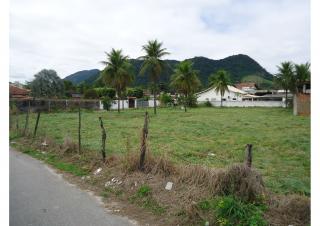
211 154
135 183
97 171
207 223
107 184
44 143
169 186
113 180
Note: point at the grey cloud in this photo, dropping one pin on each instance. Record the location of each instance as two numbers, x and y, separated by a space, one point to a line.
72 35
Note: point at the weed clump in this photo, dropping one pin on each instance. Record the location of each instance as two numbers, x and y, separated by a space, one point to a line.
144 198
243 182
238 180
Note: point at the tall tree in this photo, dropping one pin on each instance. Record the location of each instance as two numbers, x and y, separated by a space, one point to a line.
47 84
185 80
285 77
118 72
220 81
153 64
301 75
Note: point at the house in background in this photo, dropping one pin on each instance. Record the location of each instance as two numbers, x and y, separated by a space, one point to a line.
249 87
211 95
18 92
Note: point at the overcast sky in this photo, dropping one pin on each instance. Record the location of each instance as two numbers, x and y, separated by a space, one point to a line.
72 35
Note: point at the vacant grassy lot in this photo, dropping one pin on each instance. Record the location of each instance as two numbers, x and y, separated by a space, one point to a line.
281 141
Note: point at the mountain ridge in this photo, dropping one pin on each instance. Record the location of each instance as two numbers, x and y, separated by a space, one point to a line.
239 66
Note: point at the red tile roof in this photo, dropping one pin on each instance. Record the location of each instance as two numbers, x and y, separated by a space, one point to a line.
16 91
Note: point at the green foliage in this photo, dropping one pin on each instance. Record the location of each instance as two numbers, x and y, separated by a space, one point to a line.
191 101
103 92
239 66
285 76
231 211
143 198
54 160
135 92
166 99
69 88
208 104
91 94
261 82
82 87
220 81
107 103
301 75
143 191
47 84
118 71
185 81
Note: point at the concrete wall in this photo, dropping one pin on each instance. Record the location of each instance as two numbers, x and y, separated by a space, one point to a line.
248 103
114 105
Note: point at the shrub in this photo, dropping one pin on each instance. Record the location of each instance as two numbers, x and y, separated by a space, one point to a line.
192 101
231 211
208 104
107 102
143 191
135 92
166 99
102 92
90 94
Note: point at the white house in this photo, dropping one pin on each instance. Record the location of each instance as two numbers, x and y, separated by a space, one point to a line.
211 95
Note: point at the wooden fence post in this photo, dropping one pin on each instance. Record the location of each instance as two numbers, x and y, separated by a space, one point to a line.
143 146
27 119
103 140
49 105
79 130
36 126
17 117
248 160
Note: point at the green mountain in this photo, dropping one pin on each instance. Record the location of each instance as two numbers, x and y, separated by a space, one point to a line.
239 66
88 76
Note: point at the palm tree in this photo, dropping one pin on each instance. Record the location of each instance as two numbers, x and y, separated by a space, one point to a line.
118 72
301 75
185 80
285 77
219 81
153 64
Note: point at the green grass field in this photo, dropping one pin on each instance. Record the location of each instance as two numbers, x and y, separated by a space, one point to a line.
281 141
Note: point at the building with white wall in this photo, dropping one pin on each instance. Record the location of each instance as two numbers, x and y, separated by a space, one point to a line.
211 95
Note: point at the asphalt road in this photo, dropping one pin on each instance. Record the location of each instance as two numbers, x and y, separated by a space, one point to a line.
41 197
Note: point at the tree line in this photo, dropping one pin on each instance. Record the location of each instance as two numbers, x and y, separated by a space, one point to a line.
118 75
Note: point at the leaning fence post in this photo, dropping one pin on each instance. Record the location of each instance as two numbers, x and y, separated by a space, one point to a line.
27 119
103 140
248 160
79 130
144 136
36 127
